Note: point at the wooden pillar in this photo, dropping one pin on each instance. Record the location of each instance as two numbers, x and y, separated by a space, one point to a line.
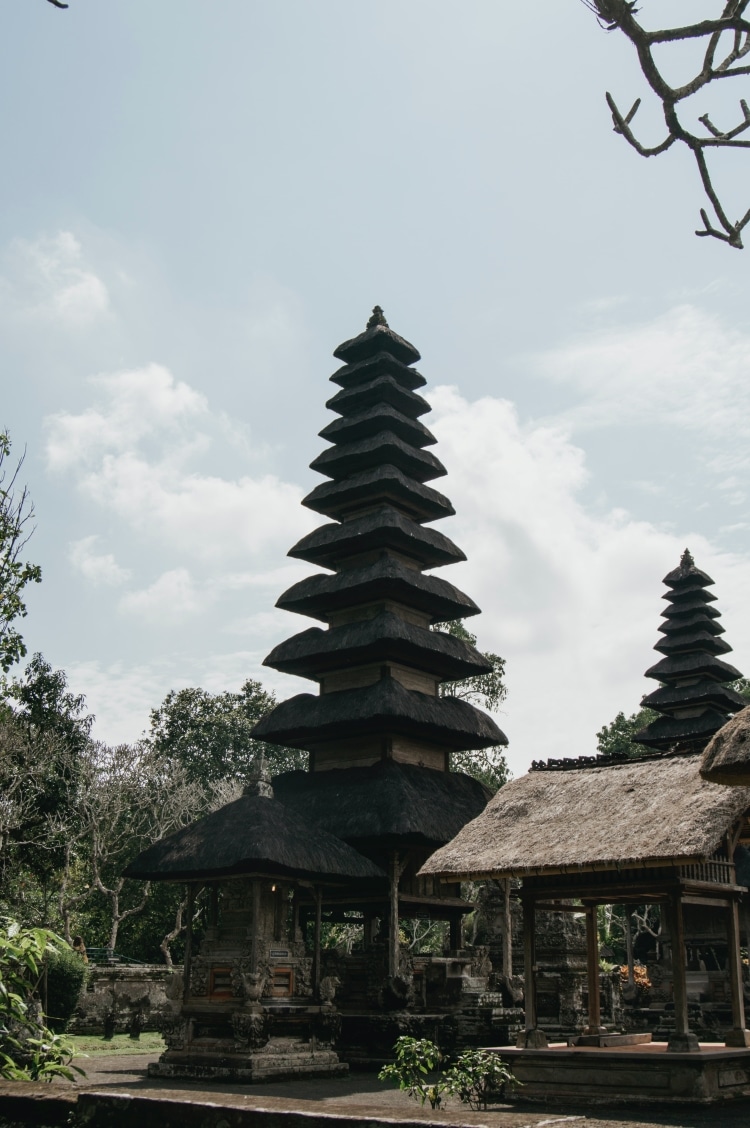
507 931
393 945
456 925
532 1037
592 973
255 938
738 1035
629 946
316 949
682 1041
186 963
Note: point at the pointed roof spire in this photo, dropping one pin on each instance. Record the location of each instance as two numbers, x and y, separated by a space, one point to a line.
694 699
378 318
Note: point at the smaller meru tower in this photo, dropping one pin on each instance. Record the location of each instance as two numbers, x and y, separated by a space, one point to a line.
694 698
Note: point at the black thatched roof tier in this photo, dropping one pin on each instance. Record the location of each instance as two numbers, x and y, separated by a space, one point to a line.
385 708
668 731
691 710
385 579
695 664
377 337
686 576
703 692
386 804
367 454
689 641
386 485
381 389
373 420
386 637
382 528
253 835
381 364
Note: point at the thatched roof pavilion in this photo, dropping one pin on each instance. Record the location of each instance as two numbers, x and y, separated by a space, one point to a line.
727 756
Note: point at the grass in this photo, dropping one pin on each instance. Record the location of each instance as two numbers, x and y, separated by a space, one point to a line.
95 1046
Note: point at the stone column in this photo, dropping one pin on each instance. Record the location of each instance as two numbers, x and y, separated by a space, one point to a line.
316 949
682 1041
532 1037
738 1035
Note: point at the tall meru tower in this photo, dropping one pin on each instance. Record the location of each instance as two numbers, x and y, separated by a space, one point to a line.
379 733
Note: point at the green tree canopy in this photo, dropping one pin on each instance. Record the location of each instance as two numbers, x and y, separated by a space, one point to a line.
210 733
16 513
616 738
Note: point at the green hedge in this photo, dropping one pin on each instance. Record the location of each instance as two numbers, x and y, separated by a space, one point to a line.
66 975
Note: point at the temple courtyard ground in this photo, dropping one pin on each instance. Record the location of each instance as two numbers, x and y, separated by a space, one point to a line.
117 1093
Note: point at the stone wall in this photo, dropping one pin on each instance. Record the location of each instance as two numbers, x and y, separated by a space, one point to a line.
126 991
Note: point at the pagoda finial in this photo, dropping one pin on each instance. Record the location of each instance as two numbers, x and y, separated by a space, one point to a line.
378 318
686 560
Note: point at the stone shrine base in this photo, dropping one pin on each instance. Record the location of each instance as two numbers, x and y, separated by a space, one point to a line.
647 1074
281 1058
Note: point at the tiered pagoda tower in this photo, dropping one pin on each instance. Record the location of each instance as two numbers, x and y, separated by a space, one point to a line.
694 699
379 734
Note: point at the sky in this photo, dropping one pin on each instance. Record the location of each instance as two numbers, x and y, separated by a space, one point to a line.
200 201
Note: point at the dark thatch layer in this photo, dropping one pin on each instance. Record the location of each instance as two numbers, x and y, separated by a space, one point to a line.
666 732
381 364
379 338
695 601
687 576
688 641
367 454
386 485
696 664
383 709
727 756
373 420
379 529
703 618
385 579
640 813
388 803
381 389
703 692
252 835
386 637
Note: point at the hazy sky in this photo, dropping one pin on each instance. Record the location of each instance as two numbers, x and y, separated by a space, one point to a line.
200 201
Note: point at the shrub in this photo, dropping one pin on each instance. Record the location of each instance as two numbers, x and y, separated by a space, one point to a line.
66 976
473 1077
416 1058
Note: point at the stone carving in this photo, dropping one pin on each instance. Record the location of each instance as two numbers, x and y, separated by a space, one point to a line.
199 977
253 984
250 1029
328 1025
173 989
174 1031
328 987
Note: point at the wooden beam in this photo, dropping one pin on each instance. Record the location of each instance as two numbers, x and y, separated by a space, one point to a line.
592 973
187 962
393 944
316 941
532 1037
682 1040
738 1035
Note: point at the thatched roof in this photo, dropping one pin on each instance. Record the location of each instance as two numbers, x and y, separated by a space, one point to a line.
379 528
727 756
381 709
384 637
639 813
318 596
352 458
388 803
252 835
385 484
376 338
371 420
379 364
379 389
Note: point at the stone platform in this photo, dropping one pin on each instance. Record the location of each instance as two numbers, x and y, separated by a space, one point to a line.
280 1059
645 1074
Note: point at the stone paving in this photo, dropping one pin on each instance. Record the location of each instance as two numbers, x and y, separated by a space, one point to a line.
362 1096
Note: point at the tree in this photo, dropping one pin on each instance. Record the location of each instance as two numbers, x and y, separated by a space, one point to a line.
616 738
725 41
16 514
487 691
210 735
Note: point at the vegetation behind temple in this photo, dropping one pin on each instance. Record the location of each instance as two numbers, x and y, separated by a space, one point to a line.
77 810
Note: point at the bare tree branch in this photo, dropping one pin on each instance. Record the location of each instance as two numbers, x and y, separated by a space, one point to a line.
619 15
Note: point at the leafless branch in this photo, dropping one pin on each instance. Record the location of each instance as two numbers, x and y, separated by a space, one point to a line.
620 15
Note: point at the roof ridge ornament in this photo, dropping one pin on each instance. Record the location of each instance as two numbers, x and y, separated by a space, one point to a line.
378 318
686 560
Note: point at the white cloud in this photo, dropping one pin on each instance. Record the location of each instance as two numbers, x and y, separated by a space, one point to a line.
99 568
47 279
134 452
570 598
172 598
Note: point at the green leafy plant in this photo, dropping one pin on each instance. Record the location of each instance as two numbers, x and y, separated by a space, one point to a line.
475 1075
416 1059
29 1051
66 976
